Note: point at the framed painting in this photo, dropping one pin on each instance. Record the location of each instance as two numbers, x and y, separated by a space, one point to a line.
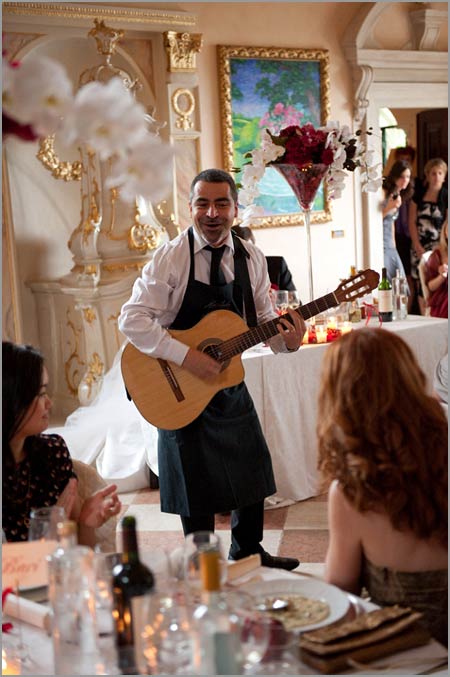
271 88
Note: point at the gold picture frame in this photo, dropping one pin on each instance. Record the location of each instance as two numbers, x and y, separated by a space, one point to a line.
264 86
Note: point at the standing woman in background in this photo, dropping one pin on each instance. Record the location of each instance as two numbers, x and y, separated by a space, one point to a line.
427 213
398 191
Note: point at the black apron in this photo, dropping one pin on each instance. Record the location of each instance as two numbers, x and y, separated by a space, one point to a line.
220 461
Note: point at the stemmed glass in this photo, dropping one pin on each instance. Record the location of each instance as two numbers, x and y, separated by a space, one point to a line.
255 639
281 301
293 299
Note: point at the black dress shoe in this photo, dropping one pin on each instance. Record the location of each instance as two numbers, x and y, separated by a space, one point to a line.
273 562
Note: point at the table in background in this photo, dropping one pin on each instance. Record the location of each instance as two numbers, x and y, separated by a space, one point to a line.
285 387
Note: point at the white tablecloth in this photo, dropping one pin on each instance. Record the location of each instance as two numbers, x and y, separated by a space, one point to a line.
111 434
415 661
285 388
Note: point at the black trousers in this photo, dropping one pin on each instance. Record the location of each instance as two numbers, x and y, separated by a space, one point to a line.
247 526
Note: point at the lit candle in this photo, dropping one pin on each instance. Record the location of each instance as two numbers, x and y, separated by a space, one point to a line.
9 665
332 322
346 327
321 333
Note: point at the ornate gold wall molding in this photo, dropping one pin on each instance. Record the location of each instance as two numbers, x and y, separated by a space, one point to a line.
69 171
70 366
142 237
183 103
181 50
124 15
95 371
89 314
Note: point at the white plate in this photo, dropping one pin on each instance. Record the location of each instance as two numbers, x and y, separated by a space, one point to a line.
336 599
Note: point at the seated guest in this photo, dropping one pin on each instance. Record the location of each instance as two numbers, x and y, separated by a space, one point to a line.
279 273
383 444
436 272
37 468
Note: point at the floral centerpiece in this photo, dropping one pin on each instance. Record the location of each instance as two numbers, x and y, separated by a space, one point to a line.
38 100
304 156
333 147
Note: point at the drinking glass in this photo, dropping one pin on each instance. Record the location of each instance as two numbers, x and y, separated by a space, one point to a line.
293 299
163 636
106 636
282 656
281 301
43 523
255 637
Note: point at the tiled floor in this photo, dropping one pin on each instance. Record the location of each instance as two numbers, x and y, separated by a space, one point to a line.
299 530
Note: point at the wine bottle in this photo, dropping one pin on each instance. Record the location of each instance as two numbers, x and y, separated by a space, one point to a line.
385 298
131 580
217 630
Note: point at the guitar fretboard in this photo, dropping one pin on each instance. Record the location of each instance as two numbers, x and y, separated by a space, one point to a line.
236 345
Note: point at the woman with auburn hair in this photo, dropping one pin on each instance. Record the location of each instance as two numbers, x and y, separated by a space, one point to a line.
382 441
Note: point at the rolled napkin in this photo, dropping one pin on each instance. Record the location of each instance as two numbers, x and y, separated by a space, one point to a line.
30 612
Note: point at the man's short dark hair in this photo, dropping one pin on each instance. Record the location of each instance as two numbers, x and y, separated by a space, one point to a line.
215 176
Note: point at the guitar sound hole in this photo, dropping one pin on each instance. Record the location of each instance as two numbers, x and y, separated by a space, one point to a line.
214 350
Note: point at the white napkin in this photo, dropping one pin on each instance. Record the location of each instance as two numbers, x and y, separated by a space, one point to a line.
30 612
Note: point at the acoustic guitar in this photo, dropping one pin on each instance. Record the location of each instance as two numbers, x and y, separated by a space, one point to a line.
170 397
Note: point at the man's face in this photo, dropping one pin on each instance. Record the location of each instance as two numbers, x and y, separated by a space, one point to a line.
213 210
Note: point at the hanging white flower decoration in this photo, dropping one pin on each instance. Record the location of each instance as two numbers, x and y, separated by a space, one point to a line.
146 170
106 118
38 94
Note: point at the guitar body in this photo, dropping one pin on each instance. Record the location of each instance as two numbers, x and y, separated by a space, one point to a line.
151 387
170 397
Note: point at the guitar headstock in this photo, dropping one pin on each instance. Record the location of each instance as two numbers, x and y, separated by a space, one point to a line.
359 285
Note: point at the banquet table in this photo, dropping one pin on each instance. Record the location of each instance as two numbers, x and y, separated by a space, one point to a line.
430 658
284 388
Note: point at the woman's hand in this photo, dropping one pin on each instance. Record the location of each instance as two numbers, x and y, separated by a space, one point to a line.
100 507
292 331
68 496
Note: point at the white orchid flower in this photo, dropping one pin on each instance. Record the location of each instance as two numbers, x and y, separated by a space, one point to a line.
106 118
38 93
146 170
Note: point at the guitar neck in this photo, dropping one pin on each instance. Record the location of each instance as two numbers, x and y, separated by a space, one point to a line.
263 332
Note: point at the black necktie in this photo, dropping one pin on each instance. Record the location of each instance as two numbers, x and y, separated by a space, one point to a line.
216 276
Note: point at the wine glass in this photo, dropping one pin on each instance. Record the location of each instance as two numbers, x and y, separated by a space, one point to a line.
293 299
43 522
164 639
255 638
281 301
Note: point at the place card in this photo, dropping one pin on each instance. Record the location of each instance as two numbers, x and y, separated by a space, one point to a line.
24 564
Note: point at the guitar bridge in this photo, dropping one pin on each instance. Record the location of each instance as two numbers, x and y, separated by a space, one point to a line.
172 381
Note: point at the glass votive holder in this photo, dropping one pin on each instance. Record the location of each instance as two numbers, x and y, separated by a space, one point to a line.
321 334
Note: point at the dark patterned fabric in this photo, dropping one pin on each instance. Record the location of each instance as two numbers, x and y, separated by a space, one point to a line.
35 482
430 217
424 591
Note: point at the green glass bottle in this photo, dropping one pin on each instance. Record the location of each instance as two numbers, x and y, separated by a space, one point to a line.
385 298
131 580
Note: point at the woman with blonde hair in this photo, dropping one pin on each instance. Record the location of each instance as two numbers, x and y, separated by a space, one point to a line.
436 272
383 445
427 212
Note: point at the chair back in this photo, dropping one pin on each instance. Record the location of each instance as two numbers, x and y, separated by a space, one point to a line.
422 277
89 481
